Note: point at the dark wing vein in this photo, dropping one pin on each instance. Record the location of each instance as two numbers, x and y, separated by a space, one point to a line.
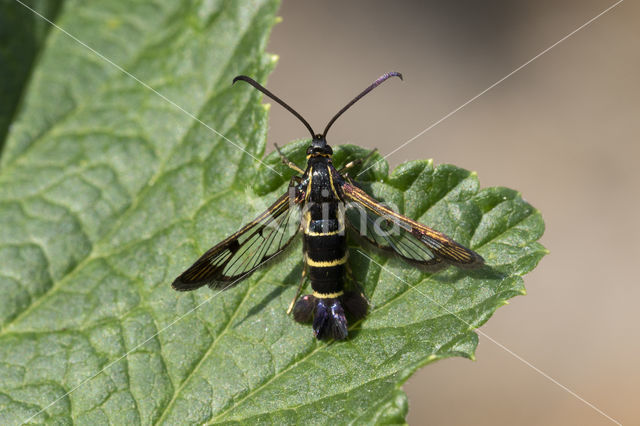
383 234
411 240
243 252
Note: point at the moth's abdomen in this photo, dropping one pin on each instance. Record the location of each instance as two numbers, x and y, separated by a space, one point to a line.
325 249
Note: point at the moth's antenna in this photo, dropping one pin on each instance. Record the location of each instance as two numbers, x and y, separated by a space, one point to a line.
277 99
375 84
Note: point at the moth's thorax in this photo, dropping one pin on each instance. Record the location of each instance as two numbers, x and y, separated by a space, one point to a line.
322 185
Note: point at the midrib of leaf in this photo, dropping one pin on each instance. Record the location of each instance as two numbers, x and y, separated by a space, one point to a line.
95 247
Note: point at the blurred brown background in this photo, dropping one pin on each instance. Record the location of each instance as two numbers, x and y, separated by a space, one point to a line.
563 131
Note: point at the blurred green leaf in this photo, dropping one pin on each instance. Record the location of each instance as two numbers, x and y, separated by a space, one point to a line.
107 192
22 33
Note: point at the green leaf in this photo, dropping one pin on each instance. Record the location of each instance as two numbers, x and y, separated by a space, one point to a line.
107 192
22 33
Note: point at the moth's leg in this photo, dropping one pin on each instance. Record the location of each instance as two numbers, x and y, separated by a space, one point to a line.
355 285
302 279
295 181
288 162
349 272
358 161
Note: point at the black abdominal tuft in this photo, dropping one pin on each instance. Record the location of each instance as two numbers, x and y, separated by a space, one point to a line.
304 309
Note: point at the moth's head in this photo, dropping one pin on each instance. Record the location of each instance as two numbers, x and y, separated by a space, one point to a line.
319 147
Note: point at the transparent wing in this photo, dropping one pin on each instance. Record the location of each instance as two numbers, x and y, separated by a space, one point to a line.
243 252
385 235
411 240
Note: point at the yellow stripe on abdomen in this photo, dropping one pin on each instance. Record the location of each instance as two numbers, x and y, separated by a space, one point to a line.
326 263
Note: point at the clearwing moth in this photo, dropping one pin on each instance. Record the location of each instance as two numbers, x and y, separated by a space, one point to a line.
325 203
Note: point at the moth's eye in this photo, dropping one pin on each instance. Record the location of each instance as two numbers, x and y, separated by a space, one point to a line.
309 150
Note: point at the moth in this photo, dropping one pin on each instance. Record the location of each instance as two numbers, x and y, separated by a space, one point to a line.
324 203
